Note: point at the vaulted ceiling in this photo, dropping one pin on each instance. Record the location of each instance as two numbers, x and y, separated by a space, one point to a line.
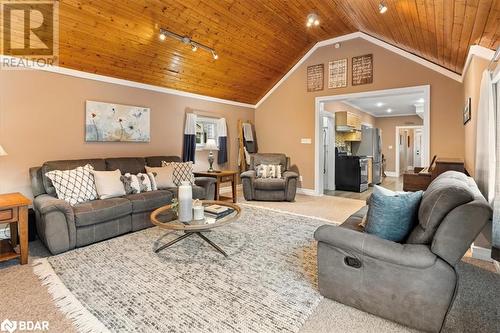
258 41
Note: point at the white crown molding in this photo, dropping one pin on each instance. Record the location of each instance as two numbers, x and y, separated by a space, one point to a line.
478 51
128 83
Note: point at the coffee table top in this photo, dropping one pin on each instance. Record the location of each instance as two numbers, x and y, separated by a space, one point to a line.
195 225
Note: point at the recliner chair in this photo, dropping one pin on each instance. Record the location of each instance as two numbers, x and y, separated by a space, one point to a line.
269 189
413 283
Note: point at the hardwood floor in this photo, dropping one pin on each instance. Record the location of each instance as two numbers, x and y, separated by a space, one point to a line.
391 183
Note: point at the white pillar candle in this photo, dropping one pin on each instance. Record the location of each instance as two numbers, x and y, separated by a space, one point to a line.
198 212
185 198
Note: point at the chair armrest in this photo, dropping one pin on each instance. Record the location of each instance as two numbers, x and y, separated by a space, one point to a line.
290 174
45 204
249 174
363 244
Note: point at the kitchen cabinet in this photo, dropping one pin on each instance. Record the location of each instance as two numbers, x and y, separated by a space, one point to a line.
347 119
353 136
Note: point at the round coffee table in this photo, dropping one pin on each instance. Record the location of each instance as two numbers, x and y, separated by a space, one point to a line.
194 227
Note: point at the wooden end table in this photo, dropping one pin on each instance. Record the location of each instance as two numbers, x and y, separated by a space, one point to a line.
14 210
226 176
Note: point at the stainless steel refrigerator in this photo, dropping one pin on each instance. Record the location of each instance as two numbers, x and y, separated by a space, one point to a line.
371 145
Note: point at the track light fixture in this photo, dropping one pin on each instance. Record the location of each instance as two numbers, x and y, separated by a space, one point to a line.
164 33
382 7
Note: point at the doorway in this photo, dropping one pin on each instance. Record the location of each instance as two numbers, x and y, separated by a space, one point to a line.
409 148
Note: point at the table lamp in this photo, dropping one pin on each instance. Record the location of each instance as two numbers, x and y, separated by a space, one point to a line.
211 145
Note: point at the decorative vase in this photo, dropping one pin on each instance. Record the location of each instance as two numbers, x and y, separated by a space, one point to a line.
185 198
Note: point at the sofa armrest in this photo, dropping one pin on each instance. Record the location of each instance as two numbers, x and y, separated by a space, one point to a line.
55 222
208 183
363 244
290 174
249 174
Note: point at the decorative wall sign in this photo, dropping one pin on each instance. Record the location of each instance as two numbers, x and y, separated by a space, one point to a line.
467 111
105 122
315 77
362 69
337 73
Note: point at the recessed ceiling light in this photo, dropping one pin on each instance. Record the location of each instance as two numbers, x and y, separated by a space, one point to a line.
379 104
194 48
382 8
312 19
389 110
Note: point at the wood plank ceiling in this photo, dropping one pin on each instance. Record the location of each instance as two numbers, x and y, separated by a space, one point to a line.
258 41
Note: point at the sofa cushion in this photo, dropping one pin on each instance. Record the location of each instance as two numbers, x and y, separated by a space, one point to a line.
148 201
198 192
155 161
133 165
98 211
443 195
392 217
98 164
269 184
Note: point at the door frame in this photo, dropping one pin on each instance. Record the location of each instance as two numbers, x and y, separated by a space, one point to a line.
330 115
319 106
396 160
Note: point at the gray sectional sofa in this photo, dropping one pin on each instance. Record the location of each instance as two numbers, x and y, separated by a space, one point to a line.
63 227
413 283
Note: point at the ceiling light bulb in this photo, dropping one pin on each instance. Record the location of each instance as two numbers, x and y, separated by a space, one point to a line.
162 36
382 8
316 23
312 19
194 48
379 104
215 55
389 110
308 24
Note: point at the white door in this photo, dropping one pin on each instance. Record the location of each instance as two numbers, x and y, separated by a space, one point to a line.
417 148
403 151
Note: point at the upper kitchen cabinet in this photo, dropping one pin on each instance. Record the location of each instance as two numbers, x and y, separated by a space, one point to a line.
349 125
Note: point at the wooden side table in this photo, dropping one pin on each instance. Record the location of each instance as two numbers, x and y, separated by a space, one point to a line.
14 210
226 176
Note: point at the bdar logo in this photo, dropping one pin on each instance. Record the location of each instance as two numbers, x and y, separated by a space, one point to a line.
8 326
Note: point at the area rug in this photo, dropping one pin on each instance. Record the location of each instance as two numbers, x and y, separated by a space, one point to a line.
266 284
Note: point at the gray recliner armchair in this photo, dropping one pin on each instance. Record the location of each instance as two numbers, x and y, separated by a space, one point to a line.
269 189
413 283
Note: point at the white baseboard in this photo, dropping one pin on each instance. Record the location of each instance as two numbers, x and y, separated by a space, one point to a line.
307 191
391 174
481 253
228 189
497 266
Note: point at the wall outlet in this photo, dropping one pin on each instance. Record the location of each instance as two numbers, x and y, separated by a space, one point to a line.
390 147
306 141
300 178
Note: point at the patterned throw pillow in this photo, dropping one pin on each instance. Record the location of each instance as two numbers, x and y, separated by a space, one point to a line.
183 172
74 186
142 182
268 171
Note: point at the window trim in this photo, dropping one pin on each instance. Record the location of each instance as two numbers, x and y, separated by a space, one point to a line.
209 120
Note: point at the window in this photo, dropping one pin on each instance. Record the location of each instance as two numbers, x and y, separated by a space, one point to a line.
206 128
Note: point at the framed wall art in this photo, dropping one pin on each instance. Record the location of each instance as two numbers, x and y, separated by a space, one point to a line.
337 73
362 69
315 77
467 111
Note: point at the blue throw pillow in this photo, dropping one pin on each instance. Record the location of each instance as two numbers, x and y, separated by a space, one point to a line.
393 217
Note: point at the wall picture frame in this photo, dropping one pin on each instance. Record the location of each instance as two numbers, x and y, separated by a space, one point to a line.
467 111
110 122
337 73
362 69
315 77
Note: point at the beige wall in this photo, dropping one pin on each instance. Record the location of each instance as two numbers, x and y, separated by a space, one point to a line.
42 118
337 106
472 84
290 109
388 127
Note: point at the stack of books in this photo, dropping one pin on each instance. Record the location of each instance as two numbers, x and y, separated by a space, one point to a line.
218 211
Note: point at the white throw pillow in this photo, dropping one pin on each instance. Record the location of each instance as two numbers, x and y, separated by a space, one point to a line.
182 171
109 184
74 186
163 176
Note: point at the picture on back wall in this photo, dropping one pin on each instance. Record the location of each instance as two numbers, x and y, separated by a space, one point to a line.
107 122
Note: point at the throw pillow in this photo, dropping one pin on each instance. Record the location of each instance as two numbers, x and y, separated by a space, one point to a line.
182 172
268 171
163 176
74 186
145 182
109 184
392 217
131 183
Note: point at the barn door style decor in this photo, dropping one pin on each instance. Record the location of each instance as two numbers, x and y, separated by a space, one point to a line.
315 77
362 69
107 122
337 73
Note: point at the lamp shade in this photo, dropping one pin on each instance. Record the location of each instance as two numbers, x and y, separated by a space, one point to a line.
2 151
211 145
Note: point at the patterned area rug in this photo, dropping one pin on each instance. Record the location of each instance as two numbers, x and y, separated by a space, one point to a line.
267 284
